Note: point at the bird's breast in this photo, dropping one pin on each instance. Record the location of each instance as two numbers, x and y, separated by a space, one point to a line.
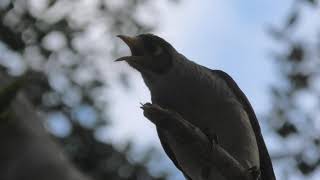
197 101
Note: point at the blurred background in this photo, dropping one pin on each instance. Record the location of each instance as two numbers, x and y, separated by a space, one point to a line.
90 104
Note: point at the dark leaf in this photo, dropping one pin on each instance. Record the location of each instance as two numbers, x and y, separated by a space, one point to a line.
276 33
11 38
299 80
292 19
306 168
297 53
312 2
286 129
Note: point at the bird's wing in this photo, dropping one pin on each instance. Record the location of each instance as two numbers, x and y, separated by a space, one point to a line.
266 168
169 152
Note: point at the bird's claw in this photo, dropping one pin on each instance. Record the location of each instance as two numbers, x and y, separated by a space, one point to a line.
154 112
215 139
211 136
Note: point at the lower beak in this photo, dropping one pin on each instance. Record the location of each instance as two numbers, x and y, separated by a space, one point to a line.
131 59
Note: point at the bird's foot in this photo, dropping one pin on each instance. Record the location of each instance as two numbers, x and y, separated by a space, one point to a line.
156 114
211 136
254 172
215 139
172 122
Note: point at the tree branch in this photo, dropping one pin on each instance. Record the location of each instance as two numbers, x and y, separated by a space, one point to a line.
196 142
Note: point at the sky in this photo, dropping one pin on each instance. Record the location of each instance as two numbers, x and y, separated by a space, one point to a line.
227 35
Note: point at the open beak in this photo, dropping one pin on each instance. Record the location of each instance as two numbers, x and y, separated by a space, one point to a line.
139 59
136 49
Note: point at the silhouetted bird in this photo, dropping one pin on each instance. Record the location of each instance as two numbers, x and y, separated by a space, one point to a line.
209 99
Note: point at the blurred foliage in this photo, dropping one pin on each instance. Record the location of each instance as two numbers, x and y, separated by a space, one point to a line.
69 44
296 99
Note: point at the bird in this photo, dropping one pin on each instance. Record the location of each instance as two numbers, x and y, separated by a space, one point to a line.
209 99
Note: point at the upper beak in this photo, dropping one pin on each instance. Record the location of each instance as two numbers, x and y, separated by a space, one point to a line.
132 42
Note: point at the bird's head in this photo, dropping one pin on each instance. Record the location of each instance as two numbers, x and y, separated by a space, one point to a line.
151 55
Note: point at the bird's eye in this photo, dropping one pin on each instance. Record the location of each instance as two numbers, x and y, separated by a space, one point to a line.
152 48
157 51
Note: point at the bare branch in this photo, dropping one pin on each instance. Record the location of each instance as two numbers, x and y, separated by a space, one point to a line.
209 151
